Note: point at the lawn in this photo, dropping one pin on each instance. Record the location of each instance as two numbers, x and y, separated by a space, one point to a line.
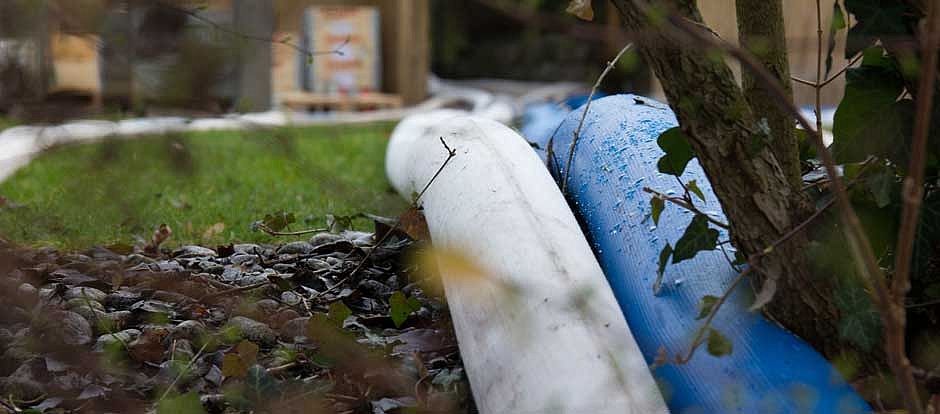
115 191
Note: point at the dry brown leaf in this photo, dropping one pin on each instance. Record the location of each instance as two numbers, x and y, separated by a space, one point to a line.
582 9
213 230
412 222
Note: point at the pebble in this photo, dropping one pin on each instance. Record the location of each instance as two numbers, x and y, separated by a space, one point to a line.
374 288
190 330
248 248
244 259
324 238
84 293
291 298
121 298
297 247
71 328
294 330
26 383
253 330
110 340
194 251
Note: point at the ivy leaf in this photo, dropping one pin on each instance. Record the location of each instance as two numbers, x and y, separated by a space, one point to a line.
871 120
880 185
233 366
261 384
860 323
402 307
876 19
835 24
718 344
705 306
582 9
663 260
678 152
338 313
657 205
697 237
693 187
181 404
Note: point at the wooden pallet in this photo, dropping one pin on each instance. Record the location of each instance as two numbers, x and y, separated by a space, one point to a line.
335 102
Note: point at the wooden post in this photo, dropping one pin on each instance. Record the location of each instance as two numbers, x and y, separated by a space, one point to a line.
254 18
412 49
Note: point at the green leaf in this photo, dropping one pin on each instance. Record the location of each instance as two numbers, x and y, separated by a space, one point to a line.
678 152
697 237
663 260
871 120
339 312
402 307
657 205
718 344
705 306
181 404
693 187
881 186
860 323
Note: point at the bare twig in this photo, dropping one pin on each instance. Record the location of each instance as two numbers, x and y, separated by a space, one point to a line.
587 107
263 227
819 59
913 195
700 335
183 372
338 50
686 205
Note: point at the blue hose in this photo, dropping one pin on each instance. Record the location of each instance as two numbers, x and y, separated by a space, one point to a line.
769 370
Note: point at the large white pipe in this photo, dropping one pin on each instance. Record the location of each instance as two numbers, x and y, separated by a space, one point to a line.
539 329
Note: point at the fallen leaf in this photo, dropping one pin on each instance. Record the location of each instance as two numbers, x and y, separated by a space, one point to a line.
213 231
413 223
582 9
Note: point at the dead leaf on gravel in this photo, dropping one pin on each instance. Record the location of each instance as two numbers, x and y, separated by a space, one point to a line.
582 9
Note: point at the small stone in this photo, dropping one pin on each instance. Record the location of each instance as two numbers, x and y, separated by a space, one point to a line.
297 247
374 288
26 383
358 238
71 328
91 314
79 302
279 319
137 259
248 248
267 305
251 280
194 251
291 298
112 340
210 267
121 299
191 330
232 274
324 238
183 350
112 321
85 293
27 290
244 259
253 330
148 347
294 329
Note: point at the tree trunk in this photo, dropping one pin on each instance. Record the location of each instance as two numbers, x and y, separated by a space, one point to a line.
762 32
759 199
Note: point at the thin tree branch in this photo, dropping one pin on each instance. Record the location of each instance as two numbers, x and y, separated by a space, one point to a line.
847 66
263 227
700 335
338 50
686 205
587 107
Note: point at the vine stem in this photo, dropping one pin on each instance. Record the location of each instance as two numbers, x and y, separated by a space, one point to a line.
587 107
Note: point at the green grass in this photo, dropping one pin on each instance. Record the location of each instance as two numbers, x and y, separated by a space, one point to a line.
7 123
106 193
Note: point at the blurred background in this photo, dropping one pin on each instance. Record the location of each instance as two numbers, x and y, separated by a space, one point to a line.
63 59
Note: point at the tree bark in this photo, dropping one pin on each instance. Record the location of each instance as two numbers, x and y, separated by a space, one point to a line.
757 195
761 31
